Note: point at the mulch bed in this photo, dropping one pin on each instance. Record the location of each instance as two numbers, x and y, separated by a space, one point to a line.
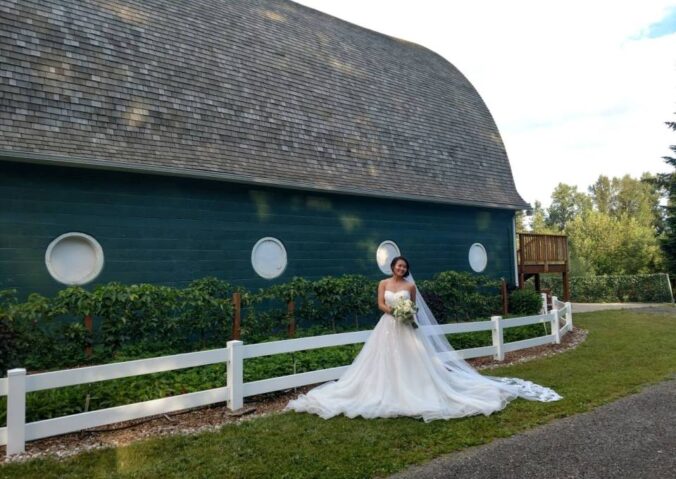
213 417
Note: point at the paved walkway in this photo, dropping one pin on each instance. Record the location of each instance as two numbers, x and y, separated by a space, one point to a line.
634 437
589 307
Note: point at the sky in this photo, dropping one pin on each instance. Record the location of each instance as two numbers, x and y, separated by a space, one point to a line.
578 89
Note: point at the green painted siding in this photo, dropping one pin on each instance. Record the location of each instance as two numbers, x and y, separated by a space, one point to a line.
172 230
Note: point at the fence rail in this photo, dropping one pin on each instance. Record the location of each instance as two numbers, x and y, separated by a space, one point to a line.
17 383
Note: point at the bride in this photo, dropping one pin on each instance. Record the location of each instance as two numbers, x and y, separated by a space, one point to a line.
406 371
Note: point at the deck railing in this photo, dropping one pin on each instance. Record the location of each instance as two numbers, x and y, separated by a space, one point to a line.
17 383
542 249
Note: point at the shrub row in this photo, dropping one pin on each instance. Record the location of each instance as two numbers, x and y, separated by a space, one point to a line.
143 320
74 399
136 321
44 333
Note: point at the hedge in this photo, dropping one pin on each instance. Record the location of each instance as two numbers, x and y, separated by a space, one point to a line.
648 288
144 320
138 321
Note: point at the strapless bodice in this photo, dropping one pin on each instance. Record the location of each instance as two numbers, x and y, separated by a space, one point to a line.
391 297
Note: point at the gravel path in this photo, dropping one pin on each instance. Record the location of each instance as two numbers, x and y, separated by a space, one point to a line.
634 437
645 307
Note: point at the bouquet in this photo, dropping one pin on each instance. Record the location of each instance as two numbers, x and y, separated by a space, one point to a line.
404 310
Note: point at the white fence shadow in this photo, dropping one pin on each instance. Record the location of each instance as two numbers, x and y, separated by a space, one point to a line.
17 383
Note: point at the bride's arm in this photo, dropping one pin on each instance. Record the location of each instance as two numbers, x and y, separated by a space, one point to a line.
381 299
411 290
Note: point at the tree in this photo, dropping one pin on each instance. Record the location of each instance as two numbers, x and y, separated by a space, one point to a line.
655 194
638 198
518 221
567 203
667 183
538 223
602 195
603 244
611 230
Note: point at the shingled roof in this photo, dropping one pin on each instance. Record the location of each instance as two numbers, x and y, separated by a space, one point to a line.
255 91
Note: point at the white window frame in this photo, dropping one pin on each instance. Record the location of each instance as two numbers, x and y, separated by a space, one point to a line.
385 269
469 257
285 257
98 254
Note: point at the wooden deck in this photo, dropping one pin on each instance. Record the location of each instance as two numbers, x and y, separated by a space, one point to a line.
543 253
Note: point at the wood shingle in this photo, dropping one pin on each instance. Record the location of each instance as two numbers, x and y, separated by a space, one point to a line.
253 91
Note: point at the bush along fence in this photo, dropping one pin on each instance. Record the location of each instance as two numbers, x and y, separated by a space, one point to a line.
116 321
640 288
18 383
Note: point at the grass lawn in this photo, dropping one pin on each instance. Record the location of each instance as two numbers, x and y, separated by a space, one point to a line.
625 350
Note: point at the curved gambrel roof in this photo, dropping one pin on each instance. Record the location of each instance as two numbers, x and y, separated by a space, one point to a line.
257 91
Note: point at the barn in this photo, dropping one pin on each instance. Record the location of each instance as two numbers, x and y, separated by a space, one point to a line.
253 140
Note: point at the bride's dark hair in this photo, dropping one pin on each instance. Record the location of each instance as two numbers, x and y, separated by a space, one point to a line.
397 258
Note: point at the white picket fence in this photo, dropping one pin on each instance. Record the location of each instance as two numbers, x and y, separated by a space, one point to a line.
17 383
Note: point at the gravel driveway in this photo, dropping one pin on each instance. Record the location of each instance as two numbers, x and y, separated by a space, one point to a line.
634 437
646 307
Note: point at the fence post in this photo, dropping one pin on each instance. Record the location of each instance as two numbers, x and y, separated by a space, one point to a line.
557 320
671 292
16 411
498 340
89 326
235 378
554 324
505 296
544 303
291 313
569 316
236 315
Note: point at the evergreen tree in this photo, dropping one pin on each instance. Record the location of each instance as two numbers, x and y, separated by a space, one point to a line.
667 182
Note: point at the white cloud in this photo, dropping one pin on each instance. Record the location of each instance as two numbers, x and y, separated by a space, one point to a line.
576 88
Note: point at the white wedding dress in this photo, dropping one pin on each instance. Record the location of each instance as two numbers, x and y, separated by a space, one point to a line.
398 373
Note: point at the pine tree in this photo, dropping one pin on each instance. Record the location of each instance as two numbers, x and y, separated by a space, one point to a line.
667 181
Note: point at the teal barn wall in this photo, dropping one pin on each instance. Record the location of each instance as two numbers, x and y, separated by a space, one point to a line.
171 230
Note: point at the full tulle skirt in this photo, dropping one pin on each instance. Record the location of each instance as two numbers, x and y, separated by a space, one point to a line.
396 375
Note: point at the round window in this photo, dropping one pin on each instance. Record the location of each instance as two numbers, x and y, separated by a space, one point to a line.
74 259
387 251
478 259
268 258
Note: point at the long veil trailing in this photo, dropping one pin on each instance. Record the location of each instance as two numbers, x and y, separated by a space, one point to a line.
405 371
437 344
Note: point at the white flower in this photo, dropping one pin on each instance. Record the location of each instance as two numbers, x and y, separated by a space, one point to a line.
404 310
